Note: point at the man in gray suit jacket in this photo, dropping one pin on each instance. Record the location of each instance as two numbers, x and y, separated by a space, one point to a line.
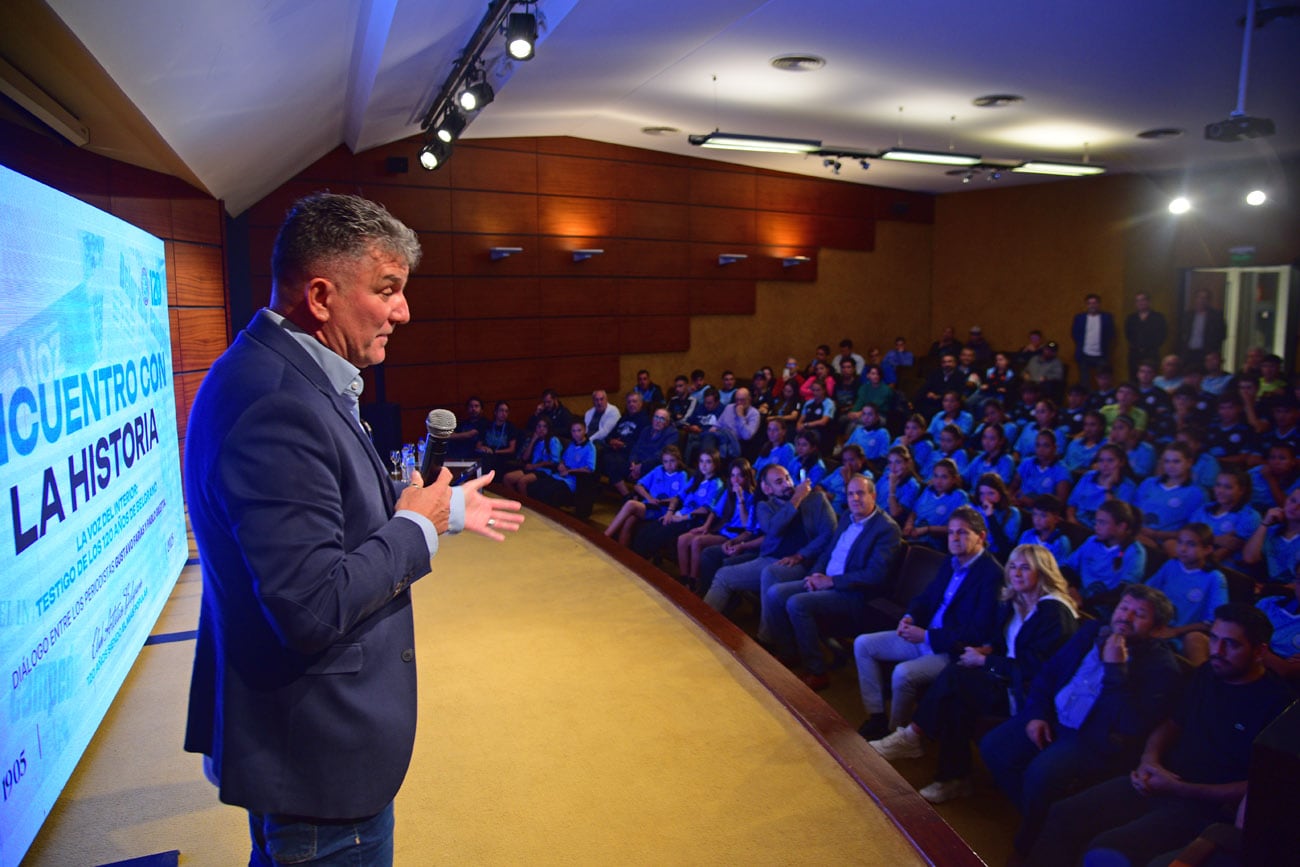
832 599
302 698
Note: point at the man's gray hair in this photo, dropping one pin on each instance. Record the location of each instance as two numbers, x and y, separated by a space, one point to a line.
327 227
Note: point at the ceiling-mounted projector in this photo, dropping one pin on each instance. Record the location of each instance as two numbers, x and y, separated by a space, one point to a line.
1239 127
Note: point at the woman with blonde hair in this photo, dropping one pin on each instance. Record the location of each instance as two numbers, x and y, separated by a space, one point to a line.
1037 616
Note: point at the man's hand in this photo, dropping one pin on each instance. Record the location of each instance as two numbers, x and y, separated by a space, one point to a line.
484 515
792 560
801 492
434 502
818 581
1039 733
974 657
1152 778
1115 649
909 631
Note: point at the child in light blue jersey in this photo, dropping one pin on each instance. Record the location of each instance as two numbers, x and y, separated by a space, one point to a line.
951 413
1283 654
655 490
1230 518
1166 503
1044 420
899 487
1044 474
776 450
916 440
1048 512
1195 589
871 437
949 449
928 524
836 482
1109 481
808 464
995 458
1276 541
1141 456
1000 514
1109 559
1082 449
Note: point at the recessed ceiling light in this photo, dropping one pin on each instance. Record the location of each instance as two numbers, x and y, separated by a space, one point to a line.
660 130
997 100
1160 132
798 62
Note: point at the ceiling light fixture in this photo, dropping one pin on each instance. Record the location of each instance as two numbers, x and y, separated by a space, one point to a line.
1180 205
1255 198
453 124
756 143
1065 170
934 158
434 154
476 96
996 100
521 35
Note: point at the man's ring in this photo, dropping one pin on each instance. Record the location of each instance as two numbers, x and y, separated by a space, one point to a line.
492 522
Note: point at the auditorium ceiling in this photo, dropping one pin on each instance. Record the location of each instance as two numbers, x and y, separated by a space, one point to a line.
239 95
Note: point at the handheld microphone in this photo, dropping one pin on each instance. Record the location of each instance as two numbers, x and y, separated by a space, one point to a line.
441 424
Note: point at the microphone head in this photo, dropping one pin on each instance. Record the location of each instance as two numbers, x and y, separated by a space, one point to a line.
441 423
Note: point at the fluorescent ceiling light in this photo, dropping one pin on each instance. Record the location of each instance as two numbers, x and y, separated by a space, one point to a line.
1069 170
760 143
937 158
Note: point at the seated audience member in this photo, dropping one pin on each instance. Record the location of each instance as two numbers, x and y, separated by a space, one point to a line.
993 412
499 442
690 509
701 425
1151 397
787 407
995 457
1168 501
1022 411
1044 474
681 405
599 421
776 449
916 441
847 354
937 503
1184 415
728 389
1087 711
542 451
876 392
1076 407
699 385
999 382
655 491
831 600
1272 481
464 441
1215 379
1232 442
1110 559
1229 517
1194 765
897 359
1033 346
899 486
817 414
1002 517
1047 514
1248 390
871 437
1126 404
652 396
797 525
958 609
1082 449
1110 481
557 485
946 378
947 344
1205 469
951 413
1271 381
1036 616
1286 411
732 515
790 371
808 465
1170 377
649 445
978 346
1195 588
821 375
949 448
835 484
1046 370
615 457
551 409
1141 455
1276 541
1104 388
970 371
737 426
1283 654
821 355
1045 421
761 393
845 391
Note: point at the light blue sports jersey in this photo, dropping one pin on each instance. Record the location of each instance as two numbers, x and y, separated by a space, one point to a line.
1167 509
1261 495
812 475
1205 472
1079 455
1241 523
1105 567
1194 592
782 454
934 510
906 496
1088 496
662 486
1004 466
703 495
734 525
1282 613
1280 554
1003 524
874 443
1142 460
1058 543
958 457
1028 440
964 422
575 457
920 450
1036 480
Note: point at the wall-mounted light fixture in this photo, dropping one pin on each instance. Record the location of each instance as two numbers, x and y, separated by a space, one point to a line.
792 261
729 258
584 255
499 253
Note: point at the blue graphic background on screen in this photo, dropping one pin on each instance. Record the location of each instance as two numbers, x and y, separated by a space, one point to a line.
92 528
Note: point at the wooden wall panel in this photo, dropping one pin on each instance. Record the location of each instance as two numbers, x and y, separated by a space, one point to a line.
200 275
490 213
423 342
654 333
200 221
202 334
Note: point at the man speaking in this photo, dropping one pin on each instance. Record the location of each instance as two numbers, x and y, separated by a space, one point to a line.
303 692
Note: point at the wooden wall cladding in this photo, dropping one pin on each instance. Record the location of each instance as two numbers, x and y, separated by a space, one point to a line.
190 223
507 328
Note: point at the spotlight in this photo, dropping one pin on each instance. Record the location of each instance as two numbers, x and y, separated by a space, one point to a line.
833 164
453 124
1256 198
476 96
434 154
521 35
1180 205
865 164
